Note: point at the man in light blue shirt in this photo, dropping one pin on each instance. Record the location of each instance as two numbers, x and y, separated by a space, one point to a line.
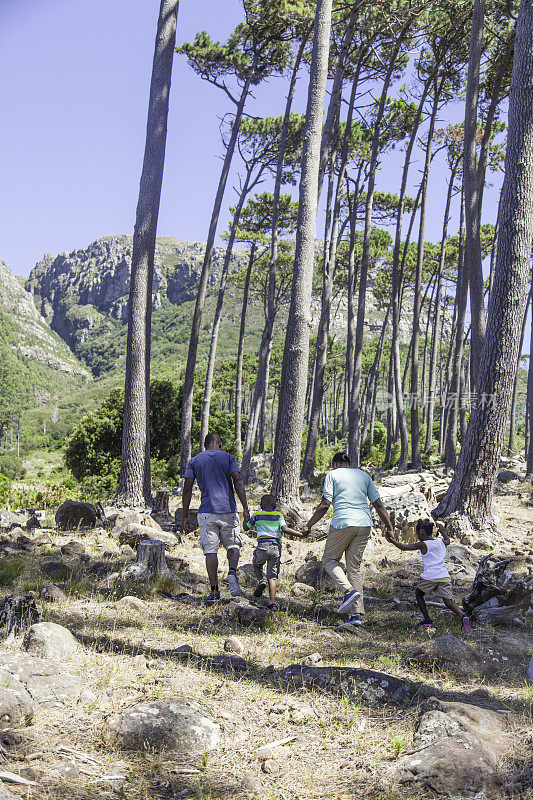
350 491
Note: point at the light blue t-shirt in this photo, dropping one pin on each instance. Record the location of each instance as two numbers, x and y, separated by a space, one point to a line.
350 490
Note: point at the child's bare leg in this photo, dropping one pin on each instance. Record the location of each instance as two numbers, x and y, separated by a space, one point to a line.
258 572
422 605
453 607
272 589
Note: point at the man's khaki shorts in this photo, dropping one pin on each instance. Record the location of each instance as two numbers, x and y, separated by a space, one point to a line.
443 590
219 529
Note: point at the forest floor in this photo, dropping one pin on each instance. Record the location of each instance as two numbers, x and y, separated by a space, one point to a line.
337 747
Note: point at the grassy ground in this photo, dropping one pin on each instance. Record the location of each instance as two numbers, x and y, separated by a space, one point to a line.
338 749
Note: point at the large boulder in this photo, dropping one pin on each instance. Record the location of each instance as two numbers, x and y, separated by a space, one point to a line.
405 510
371 687
171 724
453 654
459 747
508 476
16 707
313 574
43 680
461 561
133 533
73 514
49 640
9 520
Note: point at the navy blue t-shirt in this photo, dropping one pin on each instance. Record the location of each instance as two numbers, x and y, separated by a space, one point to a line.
212 470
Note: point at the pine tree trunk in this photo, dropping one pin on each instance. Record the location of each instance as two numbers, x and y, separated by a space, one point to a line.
416 458
354 429
472 485
512 422
437 325
529 409
134 487
287 449
240 353
472 197
188 384
208 389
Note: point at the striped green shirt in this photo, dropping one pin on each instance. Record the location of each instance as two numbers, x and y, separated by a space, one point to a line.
268 524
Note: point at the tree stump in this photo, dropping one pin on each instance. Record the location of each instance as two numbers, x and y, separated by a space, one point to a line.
161 502
18 613
150 562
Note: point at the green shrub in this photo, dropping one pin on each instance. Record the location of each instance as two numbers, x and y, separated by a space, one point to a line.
11 466
5 490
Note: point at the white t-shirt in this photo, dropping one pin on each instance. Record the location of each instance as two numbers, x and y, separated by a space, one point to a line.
433 559
350 490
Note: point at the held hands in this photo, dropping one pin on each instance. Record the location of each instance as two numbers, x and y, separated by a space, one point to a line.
245 517
186 524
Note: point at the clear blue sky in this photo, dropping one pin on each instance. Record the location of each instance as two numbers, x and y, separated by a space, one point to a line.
74 79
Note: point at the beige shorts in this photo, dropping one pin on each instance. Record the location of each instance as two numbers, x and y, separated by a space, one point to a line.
219 529
443 590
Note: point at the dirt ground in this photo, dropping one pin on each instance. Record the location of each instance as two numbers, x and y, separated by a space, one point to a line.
338 748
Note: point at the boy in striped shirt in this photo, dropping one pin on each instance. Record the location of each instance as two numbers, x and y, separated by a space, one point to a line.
269 525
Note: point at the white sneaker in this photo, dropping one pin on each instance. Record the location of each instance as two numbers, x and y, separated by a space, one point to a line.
349 599
355 619
233 583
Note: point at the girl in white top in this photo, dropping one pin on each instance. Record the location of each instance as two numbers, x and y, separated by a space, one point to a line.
435 578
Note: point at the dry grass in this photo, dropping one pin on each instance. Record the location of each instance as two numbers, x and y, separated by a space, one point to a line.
342 748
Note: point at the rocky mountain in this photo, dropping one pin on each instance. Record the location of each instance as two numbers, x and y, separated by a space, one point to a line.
38 355
87 290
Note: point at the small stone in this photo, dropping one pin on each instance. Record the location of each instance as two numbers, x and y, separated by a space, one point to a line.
271 767
251 785
30 773
301 589
126 550
234 645
71 549
52 594
68 769
313 660
131 603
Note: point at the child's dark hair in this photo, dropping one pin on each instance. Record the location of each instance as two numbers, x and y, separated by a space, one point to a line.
341 458
268 502
425 526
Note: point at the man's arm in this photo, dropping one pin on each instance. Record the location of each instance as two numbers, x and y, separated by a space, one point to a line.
320 510
445 538
383 515
188 483
240 491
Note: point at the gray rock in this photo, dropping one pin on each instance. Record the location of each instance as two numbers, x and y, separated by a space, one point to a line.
10 520
452 653
406 509
73 514
459 747
49 640
5 794
68 769
313 574
507 476
56 570
16 707
127 551
249 615
52 594
313 660
171 724
301 589
72 549
461 562
131 603
132 533
372 688
43 680
234 645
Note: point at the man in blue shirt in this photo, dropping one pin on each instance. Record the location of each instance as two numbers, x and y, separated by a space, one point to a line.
350 490
217 474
